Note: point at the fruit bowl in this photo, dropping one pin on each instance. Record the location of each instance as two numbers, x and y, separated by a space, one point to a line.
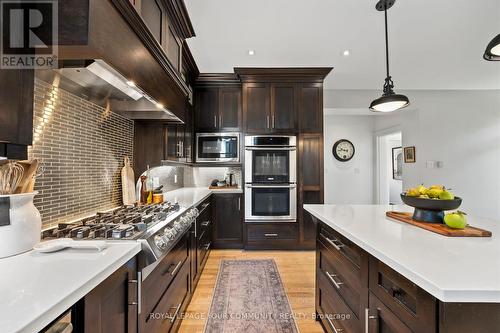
430 210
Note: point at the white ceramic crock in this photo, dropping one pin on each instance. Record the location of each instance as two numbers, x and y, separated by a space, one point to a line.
25 226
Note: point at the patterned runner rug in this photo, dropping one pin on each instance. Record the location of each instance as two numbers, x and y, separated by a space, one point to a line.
249 298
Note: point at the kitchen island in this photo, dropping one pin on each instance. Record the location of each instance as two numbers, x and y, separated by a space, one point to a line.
387 273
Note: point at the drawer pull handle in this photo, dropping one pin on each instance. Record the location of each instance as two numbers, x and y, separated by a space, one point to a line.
369 317
271 235
335 243
176 312
335 329
207 246
332 278
205 223
172 273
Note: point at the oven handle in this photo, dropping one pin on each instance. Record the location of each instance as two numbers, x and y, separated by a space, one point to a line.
271 148
271 186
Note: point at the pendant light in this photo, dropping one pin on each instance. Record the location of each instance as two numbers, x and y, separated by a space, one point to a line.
390 101
492 52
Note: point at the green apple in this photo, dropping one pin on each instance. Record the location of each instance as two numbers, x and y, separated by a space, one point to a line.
456 220
434 192
446 195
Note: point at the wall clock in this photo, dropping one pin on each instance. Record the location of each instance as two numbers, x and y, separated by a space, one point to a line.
343 150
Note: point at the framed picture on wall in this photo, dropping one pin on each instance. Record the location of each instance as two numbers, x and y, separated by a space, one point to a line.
397 163
410 154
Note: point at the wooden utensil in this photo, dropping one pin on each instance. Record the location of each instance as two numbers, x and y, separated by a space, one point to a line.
30 168
439 228
128 186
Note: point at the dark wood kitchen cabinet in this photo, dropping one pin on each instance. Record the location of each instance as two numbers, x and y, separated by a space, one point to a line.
111 306
201 240
149 145
310 100
257 107
355 291
311 189
270 107
218 109
283 107
16 112
228 220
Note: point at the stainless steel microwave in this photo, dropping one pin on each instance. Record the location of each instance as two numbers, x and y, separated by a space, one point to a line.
217 147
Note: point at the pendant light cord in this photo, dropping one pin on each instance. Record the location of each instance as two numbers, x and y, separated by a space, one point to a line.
386 43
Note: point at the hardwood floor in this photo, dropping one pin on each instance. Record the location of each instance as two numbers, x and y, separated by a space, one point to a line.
297 270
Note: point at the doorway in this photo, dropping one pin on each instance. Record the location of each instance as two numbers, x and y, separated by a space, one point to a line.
389 177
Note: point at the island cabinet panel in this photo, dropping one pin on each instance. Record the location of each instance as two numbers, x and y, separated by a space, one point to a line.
469 317
342 272
228 220
411 304
111 306
204 227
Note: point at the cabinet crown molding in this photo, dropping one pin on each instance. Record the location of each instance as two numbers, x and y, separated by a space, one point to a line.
282 74
217 80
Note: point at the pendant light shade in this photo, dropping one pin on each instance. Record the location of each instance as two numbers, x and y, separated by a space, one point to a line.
492 52
390 101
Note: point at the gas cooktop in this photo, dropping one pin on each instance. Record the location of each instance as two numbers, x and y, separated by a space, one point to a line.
127 222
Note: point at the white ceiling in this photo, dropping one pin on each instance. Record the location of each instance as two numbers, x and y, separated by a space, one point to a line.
434 44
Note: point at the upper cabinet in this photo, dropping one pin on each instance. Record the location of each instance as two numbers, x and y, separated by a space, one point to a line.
217 103
257 107
283 100
270 107
16 112
310 99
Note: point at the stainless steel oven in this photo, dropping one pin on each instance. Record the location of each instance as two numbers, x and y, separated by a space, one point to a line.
218 147
270 176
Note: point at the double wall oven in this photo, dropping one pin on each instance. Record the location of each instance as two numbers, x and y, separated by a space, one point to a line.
270 178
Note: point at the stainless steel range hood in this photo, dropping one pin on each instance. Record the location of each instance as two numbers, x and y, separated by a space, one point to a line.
100 83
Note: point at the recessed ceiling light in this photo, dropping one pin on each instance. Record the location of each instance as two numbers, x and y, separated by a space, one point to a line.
159 105
346 53
251 52
131 83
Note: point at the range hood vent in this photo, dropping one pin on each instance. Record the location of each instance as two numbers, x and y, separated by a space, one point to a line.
100 83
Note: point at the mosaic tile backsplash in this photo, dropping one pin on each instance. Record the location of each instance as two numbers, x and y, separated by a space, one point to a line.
81 147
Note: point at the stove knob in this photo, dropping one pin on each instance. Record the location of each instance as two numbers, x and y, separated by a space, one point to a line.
159 242
196 212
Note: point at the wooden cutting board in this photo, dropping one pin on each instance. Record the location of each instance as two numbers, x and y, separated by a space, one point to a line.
223 187
128 186
438 228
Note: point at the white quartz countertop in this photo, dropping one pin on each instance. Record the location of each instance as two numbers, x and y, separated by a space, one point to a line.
452 269
36 288
192 196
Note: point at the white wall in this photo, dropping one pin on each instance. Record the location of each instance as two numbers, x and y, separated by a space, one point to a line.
389 189
459 128
349 182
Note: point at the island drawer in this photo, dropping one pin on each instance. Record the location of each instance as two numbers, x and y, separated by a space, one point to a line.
381 319
350 282
411 304
334 313
168 311
159 279
335 241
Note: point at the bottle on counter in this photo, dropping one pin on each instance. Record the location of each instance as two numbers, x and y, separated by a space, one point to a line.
144 192
149 187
